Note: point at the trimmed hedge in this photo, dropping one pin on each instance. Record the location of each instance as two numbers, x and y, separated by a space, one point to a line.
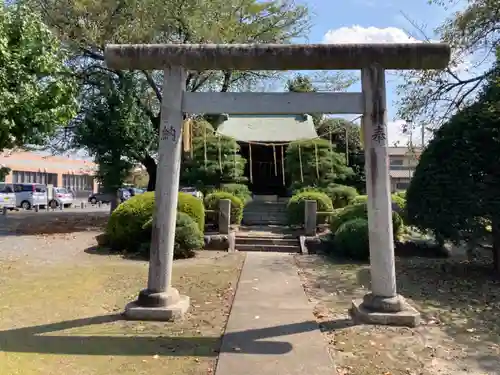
237 205
124 229
125 226
359 211
341 195
188 237
351 239
296 206
240 190
194 207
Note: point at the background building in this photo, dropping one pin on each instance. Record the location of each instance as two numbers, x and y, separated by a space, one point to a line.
60 171
402 164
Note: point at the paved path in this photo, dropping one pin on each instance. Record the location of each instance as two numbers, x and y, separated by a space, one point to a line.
271 328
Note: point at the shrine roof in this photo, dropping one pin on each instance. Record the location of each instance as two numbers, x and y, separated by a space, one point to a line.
268 128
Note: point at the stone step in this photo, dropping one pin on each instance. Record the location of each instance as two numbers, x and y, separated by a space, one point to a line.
264 241
270 248
263 221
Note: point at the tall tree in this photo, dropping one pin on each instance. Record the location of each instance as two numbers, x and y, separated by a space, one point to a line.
88 25
37 92
456 198
302 83
431 97
346 139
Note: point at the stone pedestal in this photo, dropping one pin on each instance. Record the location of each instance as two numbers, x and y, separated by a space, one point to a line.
162 306
224 216
310 213
384 310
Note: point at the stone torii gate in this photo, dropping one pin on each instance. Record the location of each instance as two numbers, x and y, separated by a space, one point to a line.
160 301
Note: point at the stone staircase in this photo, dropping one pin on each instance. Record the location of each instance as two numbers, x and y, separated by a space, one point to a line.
265 210
267 238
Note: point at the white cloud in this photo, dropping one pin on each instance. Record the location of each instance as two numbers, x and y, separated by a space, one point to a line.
360 34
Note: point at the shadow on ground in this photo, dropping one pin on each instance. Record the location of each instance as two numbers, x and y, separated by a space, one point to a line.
45 339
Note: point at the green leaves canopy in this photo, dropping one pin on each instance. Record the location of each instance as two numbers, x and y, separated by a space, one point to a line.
455 186
37 92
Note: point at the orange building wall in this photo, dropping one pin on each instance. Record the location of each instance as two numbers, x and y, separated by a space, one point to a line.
33 162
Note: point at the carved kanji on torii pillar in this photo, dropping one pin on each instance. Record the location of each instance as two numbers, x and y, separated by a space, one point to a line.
160 301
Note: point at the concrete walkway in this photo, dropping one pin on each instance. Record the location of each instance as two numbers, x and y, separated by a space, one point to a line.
271 328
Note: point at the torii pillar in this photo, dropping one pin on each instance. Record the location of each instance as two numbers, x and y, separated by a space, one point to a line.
160 301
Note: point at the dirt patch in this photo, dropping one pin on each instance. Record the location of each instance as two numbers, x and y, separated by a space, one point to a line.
48 222
459 303
64 316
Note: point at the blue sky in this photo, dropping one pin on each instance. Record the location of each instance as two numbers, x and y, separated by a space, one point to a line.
359 21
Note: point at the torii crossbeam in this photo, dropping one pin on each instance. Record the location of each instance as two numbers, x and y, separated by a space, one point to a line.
160 301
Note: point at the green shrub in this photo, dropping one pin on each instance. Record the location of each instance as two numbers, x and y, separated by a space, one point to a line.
240 190
188 237
212 203
296 204
360 199
341 195
125 226
192 206
359 211
351 239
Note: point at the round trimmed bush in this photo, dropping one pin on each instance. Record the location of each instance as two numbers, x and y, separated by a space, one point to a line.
360 199
125 225
240 190
237 205
341 195
188 237
296 204
194 207
351 239
359 211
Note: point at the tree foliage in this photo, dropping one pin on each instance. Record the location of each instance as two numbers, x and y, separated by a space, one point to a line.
215 160
454 190
314 163
346 139
432 96
87 25
37 93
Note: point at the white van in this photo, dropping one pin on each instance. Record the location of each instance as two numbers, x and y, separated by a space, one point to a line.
7 196
29 195
61 196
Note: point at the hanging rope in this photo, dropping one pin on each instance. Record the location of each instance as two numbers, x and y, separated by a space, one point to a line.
275 161
317 159
251 162
283 164
220 152
300 162
191 132
205 145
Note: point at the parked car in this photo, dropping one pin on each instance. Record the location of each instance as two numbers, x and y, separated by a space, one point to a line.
135 191
61 196
7 196
29 195
193 191
108 197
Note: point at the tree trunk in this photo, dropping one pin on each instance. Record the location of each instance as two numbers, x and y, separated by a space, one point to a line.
495 231
115 202
150 165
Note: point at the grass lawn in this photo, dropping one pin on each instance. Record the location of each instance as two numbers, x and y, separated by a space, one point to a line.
63 317
460 306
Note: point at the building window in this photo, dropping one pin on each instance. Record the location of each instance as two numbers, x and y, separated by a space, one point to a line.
402 185
396 162
78 182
